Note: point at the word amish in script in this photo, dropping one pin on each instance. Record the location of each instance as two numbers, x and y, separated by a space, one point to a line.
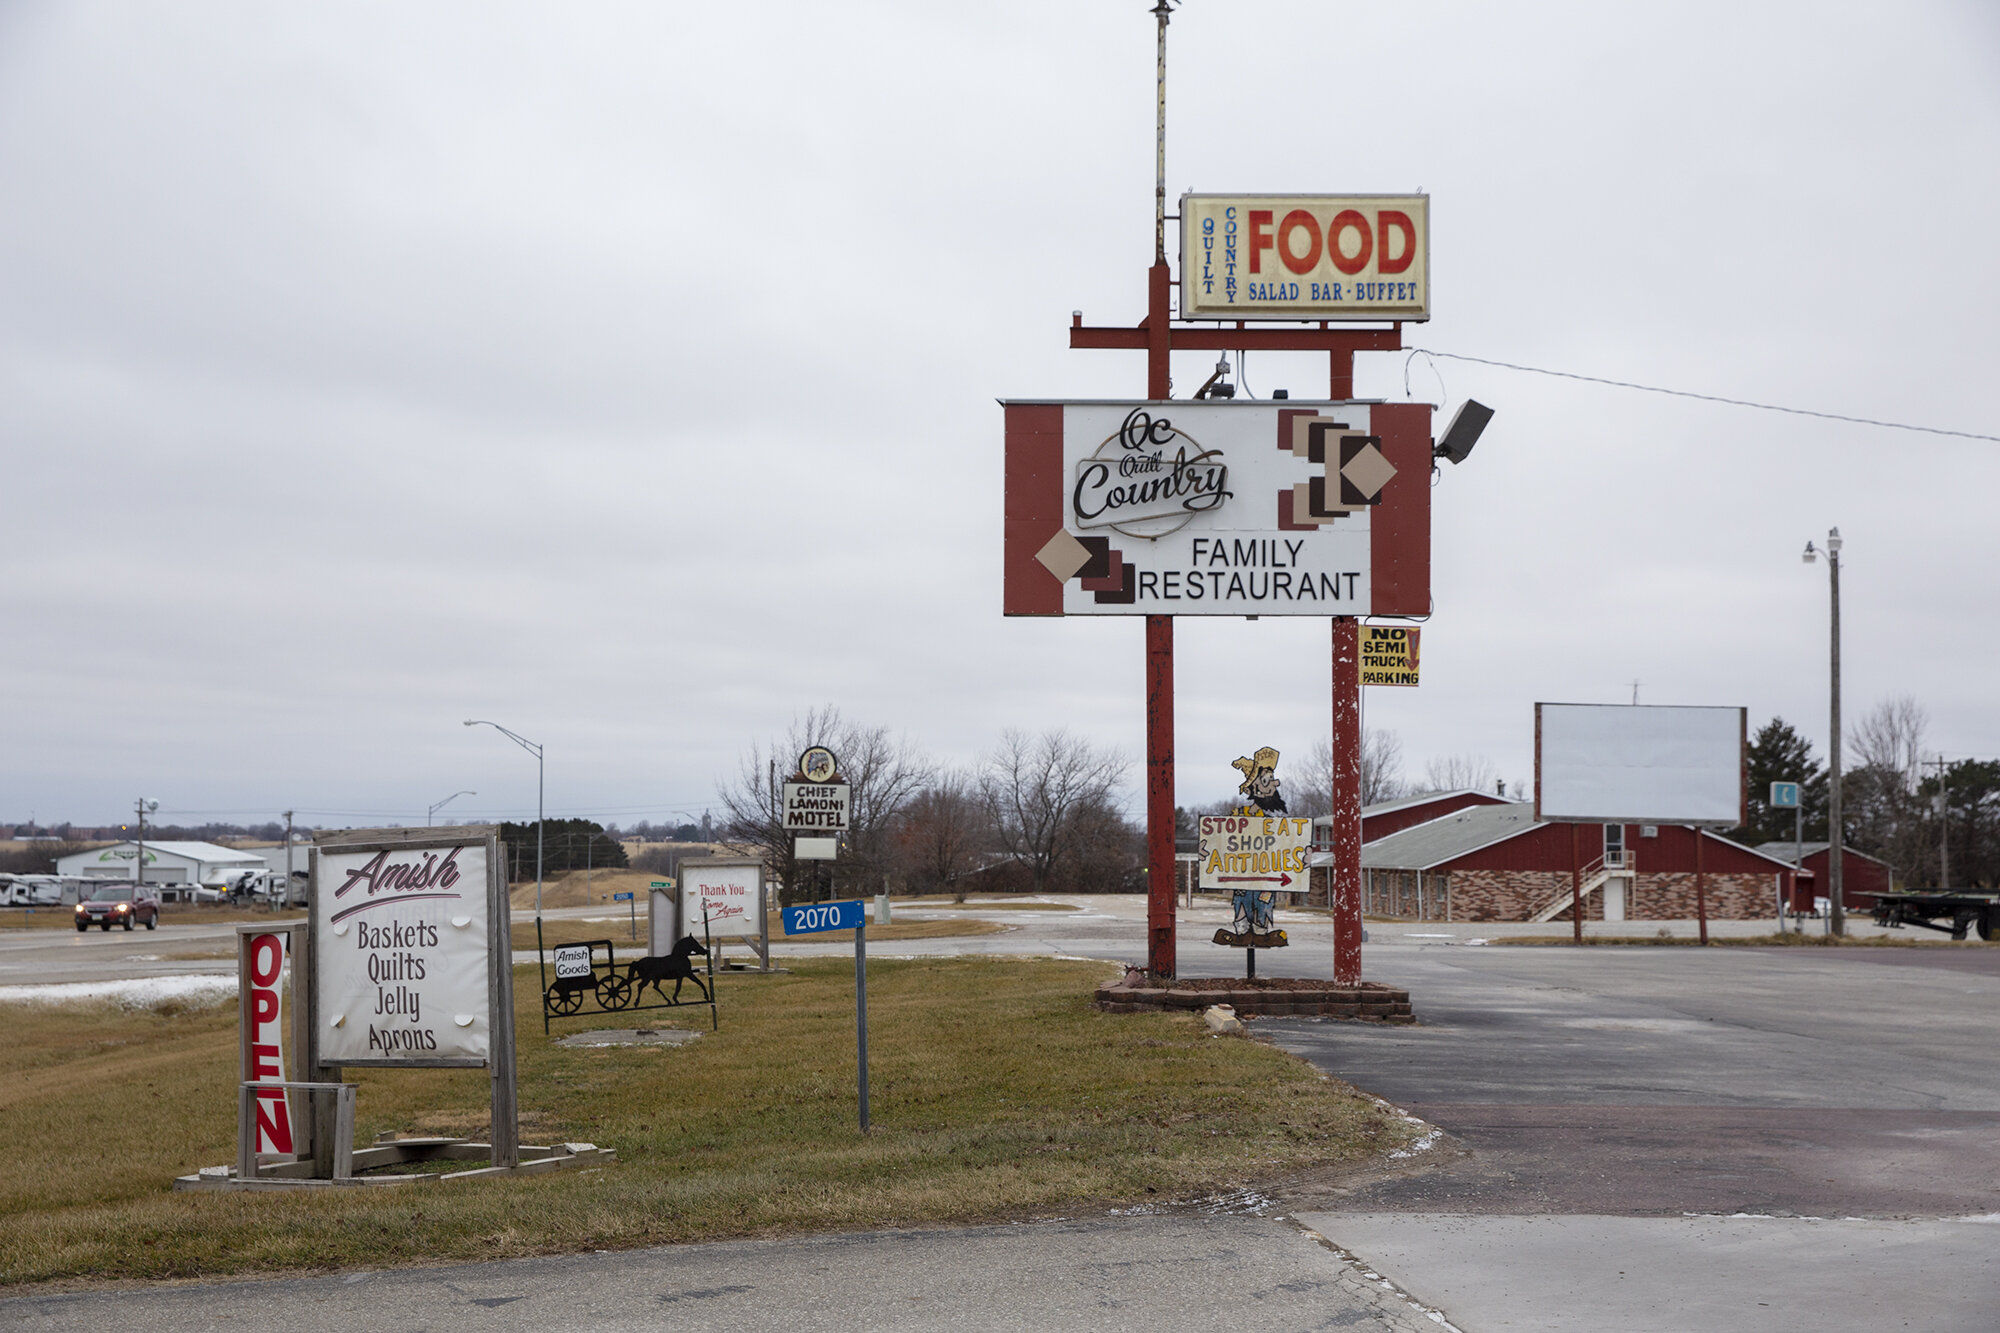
403 968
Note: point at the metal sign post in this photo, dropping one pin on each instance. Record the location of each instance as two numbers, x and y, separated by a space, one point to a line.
1785 796
813 918
632 906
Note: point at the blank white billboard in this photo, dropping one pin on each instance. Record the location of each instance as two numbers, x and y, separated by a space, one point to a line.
1639 764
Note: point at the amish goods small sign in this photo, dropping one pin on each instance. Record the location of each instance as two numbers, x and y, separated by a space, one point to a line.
403 936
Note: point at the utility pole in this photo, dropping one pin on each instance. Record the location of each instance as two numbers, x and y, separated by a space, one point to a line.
286 896
139 863
1837 917
1944 829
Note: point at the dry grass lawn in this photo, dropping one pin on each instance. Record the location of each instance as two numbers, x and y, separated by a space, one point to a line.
998 1093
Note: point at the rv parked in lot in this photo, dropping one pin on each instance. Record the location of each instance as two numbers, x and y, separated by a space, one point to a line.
38 890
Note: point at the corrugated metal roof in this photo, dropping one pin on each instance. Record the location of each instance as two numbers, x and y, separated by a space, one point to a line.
1425 798
1783 851
194 851
1448 837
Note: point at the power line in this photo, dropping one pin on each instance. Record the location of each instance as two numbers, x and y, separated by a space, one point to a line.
1706 397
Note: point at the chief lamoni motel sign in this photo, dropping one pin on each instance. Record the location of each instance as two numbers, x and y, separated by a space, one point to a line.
1217 508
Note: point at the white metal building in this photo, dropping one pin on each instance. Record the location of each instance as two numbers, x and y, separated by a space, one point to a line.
166 862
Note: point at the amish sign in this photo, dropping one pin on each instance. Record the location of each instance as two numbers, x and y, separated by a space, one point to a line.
405 973
572 960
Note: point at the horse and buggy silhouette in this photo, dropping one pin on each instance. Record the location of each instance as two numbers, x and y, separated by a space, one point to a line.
617 987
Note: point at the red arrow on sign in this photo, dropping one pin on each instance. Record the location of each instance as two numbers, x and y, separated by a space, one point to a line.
1255 879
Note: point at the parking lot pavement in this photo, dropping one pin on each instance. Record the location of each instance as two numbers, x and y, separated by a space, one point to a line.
1682 1139
1143 1274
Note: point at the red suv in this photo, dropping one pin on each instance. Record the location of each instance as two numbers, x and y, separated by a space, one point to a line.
109 905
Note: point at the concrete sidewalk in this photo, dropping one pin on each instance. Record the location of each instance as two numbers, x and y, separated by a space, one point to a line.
1585 1274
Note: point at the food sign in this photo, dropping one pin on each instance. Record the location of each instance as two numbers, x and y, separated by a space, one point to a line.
1310 256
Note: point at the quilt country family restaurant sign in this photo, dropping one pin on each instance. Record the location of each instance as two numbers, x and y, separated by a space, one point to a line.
1217 508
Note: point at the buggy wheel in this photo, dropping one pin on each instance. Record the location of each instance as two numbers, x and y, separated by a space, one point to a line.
614 991
564 1001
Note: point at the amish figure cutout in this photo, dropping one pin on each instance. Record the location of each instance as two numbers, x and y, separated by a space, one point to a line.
1255 926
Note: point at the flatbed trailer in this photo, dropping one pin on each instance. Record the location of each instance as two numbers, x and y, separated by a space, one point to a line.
1959 912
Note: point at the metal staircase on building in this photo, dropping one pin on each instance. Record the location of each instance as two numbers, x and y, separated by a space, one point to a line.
1617 865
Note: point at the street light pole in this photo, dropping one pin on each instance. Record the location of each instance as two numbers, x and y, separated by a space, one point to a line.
428 815
536 751
1836 914
139 863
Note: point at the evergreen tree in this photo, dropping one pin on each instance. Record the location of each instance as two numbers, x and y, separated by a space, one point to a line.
1780 754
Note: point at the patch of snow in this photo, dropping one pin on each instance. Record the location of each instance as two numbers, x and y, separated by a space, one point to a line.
1424 1144
140 992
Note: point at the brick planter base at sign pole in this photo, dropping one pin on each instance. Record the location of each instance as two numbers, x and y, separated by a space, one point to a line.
1262 997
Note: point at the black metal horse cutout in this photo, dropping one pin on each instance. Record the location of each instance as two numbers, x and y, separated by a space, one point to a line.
674 967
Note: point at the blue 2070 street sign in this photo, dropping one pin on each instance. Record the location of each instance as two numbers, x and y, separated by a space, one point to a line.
811 918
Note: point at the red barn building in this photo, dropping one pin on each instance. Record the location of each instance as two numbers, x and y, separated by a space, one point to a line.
1492 861
1861 876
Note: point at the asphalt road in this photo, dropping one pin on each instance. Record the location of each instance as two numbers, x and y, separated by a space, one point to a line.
41 957
1682 1139
1144 1274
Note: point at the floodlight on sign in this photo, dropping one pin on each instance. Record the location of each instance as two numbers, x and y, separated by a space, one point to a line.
1466 425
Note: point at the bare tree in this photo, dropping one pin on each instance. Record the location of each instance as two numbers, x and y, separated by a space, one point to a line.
1880 809
1037 791
1459 772
942 831
1891 739
1309 785
884 772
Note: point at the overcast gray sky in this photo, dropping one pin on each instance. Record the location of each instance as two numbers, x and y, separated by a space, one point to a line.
626 374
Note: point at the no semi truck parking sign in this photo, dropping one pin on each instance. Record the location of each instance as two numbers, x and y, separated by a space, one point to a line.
1217 508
